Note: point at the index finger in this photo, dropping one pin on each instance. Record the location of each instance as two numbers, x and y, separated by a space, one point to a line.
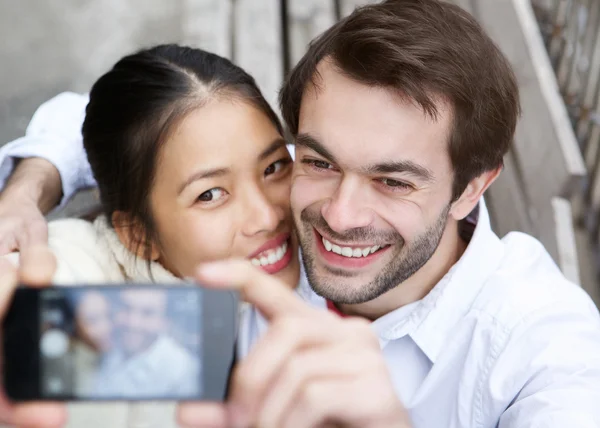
268 294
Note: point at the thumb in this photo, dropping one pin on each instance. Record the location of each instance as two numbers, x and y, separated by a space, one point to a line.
37 266
8 283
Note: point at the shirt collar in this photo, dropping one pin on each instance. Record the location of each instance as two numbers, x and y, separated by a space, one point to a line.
433 318
429 321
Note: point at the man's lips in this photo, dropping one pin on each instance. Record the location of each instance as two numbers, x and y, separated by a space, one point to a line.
369 253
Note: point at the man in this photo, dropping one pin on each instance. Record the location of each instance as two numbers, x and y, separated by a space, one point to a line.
401 116
143 351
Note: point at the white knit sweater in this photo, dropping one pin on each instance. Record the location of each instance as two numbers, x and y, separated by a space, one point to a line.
89 253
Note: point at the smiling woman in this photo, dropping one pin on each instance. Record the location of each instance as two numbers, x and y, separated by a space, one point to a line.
191 166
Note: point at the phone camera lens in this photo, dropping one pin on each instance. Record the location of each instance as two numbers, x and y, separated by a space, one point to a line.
54 343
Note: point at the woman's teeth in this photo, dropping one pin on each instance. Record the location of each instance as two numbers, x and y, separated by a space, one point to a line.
349 251
270 257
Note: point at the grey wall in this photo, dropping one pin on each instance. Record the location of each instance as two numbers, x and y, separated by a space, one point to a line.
49 46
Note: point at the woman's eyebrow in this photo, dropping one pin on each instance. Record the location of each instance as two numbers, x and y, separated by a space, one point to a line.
203 174
272 148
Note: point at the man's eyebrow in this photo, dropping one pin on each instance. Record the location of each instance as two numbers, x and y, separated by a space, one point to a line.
272 148
311 143
407 166
200 175
400 166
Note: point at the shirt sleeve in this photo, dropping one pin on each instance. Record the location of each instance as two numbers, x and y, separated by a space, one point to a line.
549 372
54 134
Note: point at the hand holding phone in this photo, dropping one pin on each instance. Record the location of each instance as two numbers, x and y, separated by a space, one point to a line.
37 266
115 342
311 368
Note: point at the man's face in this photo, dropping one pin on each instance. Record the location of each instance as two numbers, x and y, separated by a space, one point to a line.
141 319
372 181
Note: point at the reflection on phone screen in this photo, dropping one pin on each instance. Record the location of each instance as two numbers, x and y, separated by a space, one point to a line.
121 343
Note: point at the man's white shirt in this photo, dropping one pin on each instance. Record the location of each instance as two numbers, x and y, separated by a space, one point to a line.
164 370
503 340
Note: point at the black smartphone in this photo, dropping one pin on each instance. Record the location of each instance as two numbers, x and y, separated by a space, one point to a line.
119 342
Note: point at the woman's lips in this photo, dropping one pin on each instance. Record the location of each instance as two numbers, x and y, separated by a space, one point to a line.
275 255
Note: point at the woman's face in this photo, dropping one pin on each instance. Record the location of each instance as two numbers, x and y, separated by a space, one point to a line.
94 320
222 189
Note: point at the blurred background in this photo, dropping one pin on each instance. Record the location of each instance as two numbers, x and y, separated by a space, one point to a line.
550 187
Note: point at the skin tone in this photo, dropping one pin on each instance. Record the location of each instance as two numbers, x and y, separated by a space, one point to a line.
94 320
37 265
142 319
33 190
397 197
312 368
222 190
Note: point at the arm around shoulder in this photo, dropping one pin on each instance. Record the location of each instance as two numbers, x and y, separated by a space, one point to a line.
54 134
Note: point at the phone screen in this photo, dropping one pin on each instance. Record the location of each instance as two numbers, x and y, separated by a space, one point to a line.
120 343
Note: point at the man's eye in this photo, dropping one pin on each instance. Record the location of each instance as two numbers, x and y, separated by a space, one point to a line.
318 164
212 195
277 166
395 184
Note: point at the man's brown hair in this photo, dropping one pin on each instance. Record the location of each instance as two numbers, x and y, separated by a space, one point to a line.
424 50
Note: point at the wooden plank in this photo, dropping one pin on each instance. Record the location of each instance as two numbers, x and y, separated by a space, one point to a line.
207 24
307 19
548 160
565 236
564 147
257 44
507 203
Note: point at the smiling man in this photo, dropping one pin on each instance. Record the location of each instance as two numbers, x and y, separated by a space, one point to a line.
401 115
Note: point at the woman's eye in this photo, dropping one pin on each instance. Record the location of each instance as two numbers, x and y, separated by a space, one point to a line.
212 195
277 166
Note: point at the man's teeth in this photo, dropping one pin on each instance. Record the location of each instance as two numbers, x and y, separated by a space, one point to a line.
348 251
270 257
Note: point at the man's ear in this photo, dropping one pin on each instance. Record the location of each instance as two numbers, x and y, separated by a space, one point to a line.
475 189
132 235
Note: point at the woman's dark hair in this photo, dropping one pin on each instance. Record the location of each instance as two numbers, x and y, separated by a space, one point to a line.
135 106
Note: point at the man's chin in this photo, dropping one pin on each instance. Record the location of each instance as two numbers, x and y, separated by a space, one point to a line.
338 286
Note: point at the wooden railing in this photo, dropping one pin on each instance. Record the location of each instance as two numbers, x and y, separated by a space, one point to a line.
571 35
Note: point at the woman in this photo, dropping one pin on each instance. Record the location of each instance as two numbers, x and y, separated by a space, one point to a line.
94 336
192 167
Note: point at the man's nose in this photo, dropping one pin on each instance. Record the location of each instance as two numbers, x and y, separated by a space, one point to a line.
260 213
135 320
347 208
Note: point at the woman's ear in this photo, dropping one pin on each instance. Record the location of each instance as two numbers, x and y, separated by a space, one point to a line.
475 189
132 235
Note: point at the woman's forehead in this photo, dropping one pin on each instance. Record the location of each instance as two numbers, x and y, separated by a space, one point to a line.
221 129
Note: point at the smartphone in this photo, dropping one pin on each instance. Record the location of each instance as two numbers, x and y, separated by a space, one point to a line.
119 342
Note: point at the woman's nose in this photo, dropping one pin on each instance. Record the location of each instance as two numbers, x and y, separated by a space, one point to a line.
261 214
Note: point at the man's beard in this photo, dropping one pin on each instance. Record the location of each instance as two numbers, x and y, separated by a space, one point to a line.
408 260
